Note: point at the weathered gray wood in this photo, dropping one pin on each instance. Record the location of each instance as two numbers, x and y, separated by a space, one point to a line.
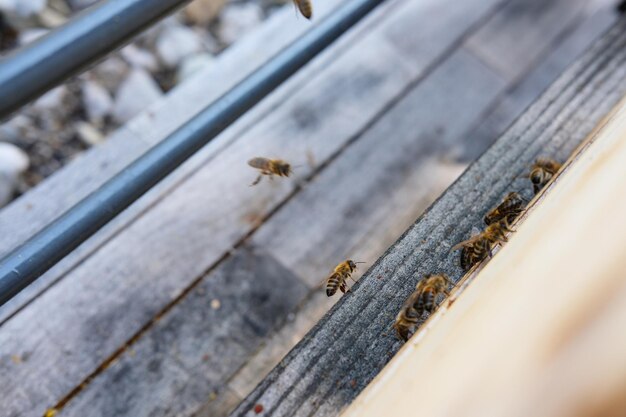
368 197
113 294
525 92
181 362
325 371
371 175
31 212
507 44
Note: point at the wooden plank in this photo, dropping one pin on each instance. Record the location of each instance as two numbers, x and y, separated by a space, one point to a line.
344 352
578 314
180 363
138 273
31 212
525 92
507 44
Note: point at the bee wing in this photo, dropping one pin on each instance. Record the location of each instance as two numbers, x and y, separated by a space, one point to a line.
325 280
467 242
258 162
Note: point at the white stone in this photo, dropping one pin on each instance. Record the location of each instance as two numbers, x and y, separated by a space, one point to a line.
30 35
202 12
52 100
135 94
238 19
141 58
175 43
89 134
97 101
13 162
192 65
23 8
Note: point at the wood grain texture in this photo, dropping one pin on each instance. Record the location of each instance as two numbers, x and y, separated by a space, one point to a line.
344 352
523 93
181 363
507 44
563 355
113 294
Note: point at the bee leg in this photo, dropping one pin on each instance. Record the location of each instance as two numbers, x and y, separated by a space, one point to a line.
258 180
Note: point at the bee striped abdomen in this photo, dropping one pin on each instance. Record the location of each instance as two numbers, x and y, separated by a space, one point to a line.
334 282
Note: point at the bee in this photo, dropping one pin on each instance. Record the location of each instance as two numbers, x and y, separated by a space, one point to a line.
478 247
422 300
305 7
406 320
270 167
542 171
509 209
337 280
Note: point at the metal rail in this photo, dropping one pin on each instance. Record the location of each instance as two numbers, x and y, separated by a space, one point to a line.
26 263
31 71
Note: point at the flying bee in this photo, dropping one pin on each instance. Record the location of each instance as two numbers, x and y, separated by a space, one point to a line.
305 7
338 279
542 171
270 167
422 300
509 209
478 247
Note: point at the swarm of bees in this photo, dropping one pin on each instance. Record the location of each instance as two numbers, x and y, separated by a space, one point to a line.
474 250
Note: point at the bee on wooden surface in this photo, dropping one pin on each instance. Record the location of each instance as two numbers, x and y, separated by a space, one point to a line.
477 248
407 318
542 171
270 167
434 286
509 209
422 300
338 279
305 7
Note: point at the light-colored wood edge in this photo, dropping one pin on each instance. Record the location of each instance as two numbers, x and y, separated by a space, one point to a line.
540 329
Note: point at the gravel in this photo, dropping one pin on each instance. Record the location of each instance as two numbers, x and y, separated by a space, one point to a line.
69 119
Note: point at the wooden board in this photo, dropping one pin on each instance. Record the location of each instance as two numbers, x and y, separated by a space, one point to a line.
113 295
526 91
344 352
539 331
507 44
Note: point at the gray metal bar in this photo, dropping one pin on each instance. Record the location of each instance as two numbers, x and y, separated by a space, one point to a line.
26 263
31 71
